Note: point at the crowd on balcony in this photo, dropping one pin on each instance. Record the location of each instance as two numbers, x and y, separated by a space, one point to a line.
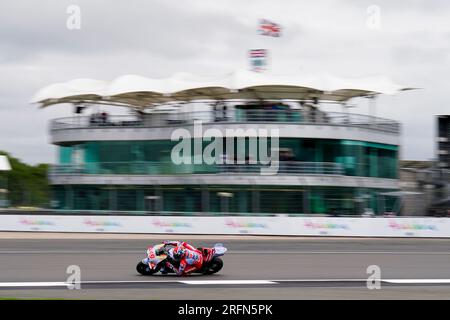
281 112
103 118
305 112
99 118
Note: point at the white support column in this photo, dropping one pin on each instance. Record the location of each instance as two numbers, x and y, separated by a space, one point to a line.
372 108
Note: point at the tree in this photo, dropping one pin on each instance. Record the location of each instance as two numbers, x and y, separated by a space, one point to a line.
27 185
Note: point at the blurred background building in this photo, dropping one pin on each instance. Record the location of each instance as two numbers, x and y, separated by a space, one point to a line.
334 163
441 178
417 185
443 141
426 184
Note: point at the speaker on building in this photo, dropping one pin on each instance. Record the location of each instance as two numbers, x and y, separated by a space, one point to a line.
78 109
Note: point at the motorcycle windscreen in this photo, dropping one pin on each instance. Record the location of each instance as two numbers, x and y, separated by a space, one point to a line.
219 251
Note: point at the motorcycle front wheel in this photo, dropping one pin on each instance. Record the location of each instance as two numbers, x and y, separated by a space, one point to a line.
144 269
214 266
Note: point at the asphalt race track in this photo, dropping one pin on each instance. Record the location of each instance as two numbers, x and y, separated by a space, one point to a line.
255 268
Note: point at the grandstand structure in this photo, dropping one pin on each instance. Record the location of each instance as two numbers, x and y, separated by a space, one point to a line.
328 162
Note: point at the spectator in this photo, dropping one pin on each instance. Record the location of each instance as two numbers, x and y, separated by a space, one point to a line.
224 112
216 112
94 119
104 117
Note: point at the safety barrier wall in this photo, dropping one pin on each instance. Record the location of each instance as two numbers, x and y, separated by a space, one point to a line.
278 225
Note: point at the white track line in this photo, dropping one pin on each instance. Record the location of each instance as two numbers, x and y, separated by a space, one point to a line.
33 284
417 281
197 282
191 282
217 282
343 252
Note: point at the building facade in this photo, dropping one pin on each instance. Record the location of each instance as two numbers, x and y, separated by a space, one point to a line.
443 141
120 166
335 163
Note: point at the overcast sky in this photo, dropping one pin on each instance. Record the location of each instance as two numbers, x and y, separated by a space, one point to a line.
157 38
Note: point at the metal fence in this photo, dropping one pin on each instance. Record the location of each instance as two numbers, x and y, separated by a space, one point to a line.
167 168
293 116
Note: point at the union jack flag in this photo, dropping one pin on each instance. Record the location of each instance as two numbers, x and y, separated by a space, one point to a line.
258 59
269 28
258 53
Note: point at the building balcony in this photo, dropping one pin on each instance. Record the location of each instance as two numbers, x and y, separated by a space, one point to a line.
148 174
291 116
168 168
290 123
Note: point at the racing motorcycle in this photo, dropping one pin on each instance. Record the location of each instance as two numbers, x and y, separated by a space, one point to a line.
157 257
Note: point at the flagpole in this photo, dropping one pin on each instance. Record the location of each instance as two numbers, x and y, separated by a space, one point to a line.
269 29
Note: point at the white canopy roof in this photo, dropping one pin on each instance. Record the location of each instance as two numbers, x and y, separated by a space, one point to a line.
138 91
4 163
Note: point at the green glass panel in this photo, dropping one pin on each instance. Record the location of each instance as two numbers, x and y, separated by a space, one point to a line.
65 155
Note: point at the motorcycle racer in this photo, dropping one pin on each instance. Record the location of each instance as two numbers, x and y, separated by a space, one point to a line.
181 258
190 258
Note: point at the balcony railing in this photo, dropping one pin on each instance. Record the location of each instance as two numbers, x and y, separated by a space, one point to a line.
166 168
292 116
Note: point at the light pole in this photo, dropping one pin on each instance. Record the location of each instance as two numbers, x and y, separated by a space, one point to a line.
152 203
224 201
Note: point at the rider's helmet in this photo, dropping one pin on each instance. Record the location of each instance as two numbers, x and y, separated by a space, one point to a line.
160 251
178 252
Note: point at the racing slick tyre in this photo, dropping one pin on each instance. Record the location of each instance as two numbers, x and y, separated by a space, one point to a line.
144 269
214 266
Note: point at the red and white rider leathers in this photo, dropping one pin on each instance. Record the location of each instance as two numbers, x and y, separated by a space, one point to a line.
190 258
